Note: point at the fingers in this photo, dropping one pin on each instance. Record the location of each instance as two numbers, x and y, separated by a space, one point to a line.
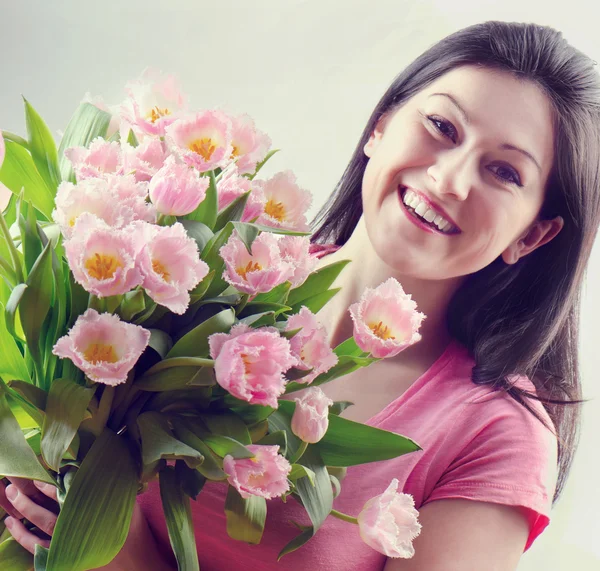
23 536
47 489
5 502
36 514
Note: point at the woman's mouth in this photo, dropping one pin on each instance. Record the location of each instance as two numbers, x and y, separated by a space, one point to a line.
423 215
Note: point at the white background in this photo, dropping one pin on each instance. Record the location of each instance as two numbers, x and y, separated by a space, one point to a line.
309 72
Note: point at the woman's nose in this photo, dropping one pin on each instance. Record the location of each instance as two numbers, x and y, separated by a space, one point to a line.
452 174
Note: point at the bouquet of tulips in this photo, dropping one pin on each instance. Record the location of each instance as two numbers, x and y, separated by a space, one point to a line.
158 304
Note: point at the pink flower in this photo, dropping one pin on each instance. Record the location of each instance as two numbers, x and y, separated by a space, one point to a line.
170 265
203 140
250 146
231 185
156 101
388 523
102 258
249 363
103 347
177 189
133 194
144 161
265 475
102 157
311 416
286 203
386 320
258 272
295 250
310 345
98 197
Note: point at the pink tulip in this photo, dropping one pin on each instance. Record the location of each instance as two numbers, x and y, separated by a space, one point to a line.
103 347
176 189
170 264
311 416
202 141
250 146
388 523
265 475
145 160
386 320
258 272
249 363
310 345
155 100
128 192
295 250
102 157
286 203
231 186
102 258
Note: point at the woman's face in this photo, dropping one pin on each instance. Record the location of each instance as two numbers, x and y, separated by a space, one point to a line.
474 150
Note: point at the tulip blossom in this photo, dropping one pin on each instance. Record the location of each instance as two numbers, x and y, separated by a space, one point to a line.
203 140
388 523
386 320
102 157
310 345
176 189
128 192
295 250
259 271
265 475
170 265
103 259
250 146
249 363
103 347
231 186
286 203
311 416
155 100
145 160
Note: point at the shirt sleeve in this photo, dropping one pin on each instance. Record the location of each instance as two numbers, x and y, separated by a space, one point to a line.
509 458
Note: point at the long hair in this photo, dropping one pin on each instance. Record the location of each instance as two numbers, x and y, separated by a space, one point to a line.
520 319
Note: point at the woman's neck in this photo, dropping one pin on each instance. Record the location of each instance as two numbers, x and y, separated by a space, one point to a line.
368 270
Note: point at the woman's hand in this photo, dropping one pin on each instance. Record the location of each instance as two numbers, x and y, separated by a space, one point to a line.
37 502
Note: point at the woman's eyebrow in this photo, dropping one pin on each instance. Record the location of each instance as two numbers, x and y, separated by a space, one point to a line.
467 119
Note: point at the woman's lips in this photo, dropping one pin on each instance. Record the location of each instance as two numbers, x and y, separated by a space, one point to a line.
417 221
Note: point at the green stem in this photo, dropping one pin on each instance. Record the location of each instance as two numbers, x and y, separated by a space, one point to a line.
241 304
301 450
344 517
14 255
97 424
97 303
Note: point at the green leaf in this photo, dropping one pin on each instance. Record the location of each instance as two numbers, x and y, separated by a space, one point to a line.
159 443
94 521
16 456
207 210
281 419
65 409
317 301
40 559
160 341
132 139
349 348
178 515
13 557
196 398
133 303
176 378
317 282
195 343
245 517
198 231
210 254
299 471
19 172
263 162
42 147
233 212
297 542
191 480
223 445
11 309
227 424
12 364
279 438
339 406
247 233
260 307
31 242
87 123
32 399
278 294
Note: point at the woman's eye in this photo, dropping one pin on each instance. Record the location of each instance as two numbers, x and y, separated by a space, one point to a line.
507 174
444 127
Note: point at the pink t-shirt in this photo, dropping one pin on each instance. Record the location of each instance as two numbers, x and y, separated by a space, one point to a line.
477 444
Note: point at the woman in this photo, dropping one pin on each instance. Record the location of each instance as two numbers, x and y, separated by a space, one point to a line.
476 185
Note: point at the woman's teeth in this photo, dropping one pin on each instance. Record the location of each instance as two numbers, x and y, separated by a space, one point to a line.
422 209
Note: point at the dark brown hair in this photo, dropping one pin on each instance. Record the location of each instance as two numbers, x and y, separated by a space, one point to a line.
520 319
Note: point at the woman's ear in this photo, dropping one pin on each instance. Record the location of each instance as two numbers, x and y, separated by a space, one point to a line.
375 137
538 234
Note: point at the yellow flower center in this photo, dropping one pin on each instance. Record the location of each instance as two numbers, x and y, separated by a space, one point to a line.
98 352
250 267
203 147
275 210
156 113
235 152
382 331
161 270
102 266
